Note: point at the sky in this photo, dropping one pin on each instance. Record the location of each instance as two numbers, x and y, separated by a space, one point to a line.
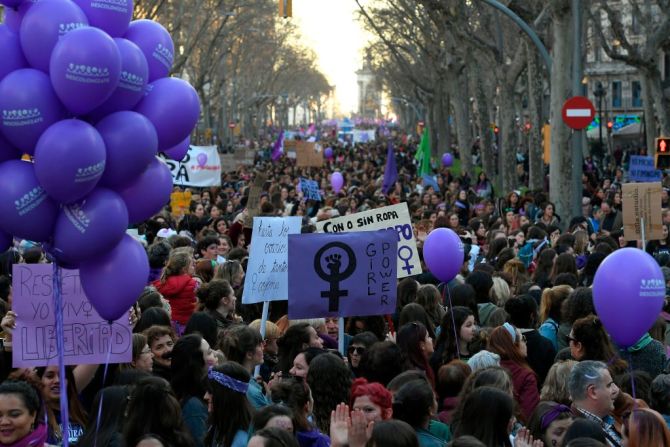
330 29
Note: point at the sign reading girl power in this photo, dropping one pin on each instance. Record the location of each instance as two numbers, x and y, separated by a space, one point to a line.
86 335
394 217
342 275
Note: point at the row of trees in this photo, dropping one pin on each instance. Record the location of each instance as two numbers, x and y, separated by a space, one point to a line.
464 59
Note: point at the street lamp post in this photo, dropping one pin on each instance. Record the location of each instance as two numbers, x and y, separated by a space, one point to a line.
599 93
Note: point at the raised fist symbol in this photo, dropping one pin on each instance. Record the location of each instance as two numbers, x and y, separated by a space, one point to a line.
334 263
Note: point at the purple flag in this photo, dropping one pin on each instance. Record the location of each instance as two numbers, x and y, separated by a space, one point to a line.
342 274
390 171
278 147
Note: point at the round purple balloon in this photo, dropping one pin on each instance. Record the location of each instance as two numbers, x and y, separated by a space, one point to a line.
85 69
336 181
7 151
156 44
132 82
178 152
628 294
27 212
12 55
443 253
44 24
447 160
5 241
148 193
89 227
131 143
69 160
29 106
328 152
173 107
113 281
111 16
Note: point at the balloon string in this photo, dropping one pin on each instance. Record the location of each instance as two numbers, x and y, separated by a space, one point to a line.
632 379
58 310
104 380
446 292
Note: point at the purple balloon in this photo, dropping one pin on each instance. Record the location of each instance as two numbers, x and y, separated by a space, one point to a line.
44 24
336 181
111 16
328 152
10 3
113 281
447 160
27 212
29 106
443 253
131 143
148 193
202 159
12 55
85 69
628 294
156 44
69 160
5 241
132 82
7 151
178 152
173 107
90 226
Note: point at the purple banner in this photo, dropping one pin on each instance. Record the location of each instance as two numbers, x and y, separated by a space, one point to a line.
86 334
342 275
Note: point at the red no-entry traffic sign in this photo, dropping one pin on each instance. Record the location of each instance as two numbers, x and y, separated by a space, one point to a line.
578 112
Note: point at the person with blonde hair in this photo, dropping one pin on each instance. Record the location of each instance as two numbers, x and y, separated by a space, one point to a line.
555 386
177 285
500 291
270 348
550 312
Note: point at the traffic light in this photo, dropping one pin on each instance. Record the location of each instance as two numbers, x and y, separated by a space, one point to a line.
610 126
285 8
663 153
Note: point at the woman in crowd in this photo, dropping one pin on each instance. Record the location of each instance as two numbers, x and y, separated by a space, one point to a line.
228 385
549 422
415 404
358 345
589 341
106 427
429 298
272 437
22 415
178 286
329 379
302 361
550 311
645 428
217 299
232 272
487 414
453 343
372 399
143 358
273 416
50 379
244 345
417 347
295 340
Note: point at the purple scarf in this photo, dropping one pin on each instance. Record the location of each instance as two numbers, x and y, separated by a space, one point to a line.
35 438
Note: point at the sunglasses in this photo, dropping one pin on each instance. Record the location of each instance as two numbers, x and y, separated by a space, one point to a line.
358 350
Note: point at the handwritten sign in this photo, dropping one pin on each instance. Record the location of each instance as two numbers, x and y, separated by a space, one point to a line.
86 335
642 169
395 217
308 154
267 270
245 156
310 189
642 201
342 275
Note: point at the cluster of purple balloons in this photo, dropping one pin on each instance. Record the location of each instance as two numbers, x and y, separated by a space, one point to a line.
84 91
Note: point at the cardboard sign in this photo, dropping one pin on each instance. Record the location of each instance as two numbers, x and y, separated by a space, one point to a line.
394 217
310 189
228 163
254 200
180 202
267 271
642 201
642 169
86 335
244 156
342 275
308 154
200 167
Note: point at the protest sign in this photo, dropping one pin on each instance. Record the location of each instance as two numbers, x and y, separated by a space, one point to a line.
244 156
310 189
87 336
267 271
342 275
254 200
642 201
290 148
395 217
308 154
642 169
364 136
180 202
228 163
200 167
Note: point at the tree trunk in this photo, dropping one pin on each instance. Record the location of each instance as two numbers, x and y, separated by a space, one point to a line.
649 121
443 140
560 180
661 103
461 104
484 121
508 139
535 149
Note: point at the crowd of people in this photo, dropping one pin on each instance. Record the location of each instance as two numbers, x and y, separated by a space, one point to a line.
511 352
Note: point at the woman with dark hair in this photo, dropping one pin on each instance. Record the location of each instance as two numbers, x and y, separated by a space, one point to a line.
153 316
382 362
414 312
191 357
510 344
545 264
578 305
143 358
589 341
415 404
456 331
296 339
416 345
329 379
393 433
244 345
296 395
217 299
357 347
153 408
50 379
487 414
228 385
302 361
273 416
203 324
272 437
232 272
106 430
21 404
482 282
549 422
565 263
463 295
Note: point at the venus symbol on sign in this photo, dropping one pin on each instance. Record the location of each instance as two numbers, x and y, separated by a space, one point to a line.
408 267
334 264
